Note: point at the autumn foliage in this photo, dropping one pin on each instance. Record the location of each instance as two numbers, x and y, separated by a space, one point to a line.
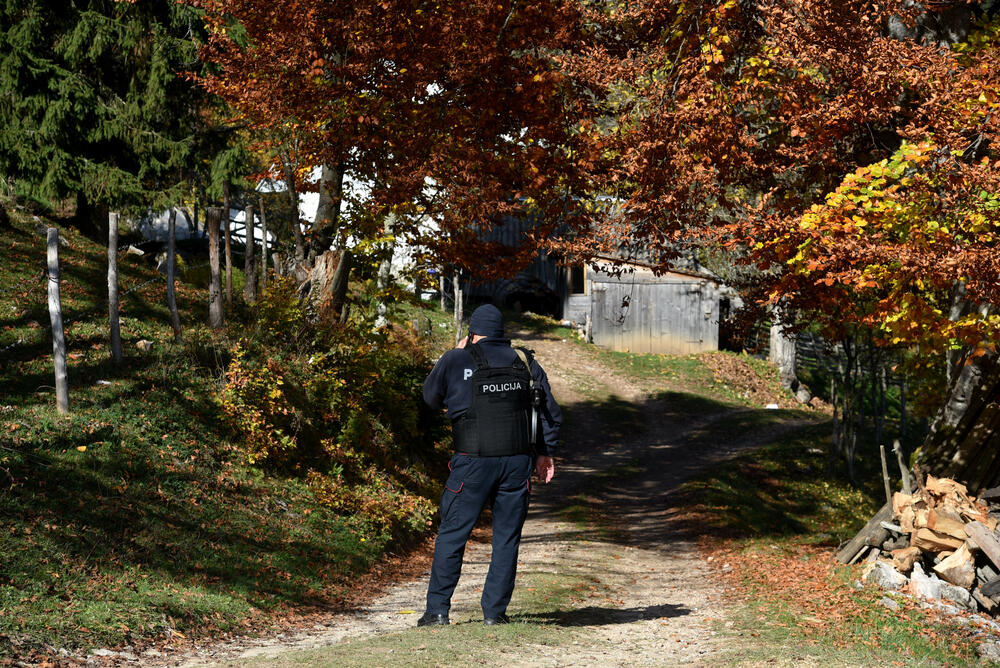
844 147
456 109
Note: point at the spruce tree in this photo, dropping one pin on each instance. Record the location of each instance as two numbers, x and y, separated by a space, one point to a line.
95 103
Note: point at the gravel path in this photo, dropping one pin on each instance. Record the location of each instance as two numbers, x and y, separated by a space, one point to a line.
654 599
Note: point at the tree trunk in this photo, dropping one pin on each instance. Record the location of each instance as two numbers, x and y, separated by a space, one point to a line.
55 317
338 286
175 318
331 196
193 222
213 219
90 218
963 441
457 287
293 196
114 321
384 277
250 259
263 244
782 354
229 245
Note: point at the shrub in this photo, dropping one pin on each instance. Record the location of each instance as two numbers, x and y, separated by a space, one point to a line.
338 404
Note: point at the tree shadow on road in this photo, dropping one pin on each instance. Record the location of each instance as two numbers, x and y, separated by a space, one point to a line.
623 480
597 616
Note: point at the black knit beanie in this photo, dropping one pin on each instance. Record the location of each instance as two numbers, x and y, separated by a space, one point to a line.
486 321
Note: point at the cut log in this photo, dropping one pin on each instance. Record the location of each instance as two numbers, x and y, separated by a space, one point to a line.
945 486
943 522
900 502
904 559
906 519
929 540
991 588
872 534
987 603
959 568
975 513
992 493
986 540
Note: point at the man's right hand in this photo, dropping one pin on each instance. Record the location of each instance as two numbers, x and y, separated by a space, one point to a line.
545 468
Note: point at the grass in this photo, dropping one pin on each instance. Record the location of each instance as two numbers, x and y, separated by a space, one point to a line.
783 489
541 612
131 517
427 318
783 514
135 516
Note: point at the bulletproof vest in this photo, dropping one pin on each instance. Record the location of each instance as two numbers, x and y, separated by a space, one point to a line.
498 420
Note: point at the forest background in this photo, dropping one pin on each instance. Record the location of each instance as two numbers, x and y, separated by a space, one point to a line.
833 161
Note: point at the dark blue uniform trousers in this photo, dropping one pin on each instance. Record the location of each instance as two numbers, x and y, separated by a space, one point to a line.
474 481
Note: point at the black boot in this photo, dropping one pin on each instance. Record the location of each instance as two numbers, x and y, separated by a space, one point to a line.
430 619
493 621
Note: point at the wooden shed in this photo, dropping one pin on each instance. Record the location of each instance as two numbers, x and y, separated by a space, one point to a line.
676 313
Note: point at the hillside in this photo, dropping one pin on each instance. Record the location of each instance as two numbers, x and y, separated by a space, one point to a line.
138 516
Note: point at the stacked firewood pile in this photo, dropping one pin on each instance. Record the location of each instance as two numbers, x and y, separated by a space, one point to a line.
937 543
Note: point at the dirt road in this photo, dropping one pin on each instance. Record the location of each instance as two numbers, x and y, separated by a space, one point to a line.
609 574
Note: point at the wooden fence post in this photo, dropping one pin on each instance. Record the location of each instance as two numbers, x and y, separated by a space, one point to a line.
55 315
263 238
175 318
213 219
229 250
250 259
116 332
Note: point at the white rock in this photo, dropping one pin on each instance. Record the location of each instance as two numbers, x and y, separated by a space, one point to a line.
881 574
923 585
960 597
989 651
889 603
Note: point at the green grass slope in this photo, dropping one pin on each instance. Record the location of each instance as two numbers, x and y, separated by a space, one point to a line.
136 516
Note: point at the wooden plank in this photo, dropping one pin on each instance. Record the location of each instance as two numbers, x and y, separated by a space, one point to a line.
986 540
871 534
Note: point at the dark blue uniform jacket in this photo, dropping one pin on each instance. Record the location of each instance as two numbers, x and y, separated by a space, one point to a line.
448 386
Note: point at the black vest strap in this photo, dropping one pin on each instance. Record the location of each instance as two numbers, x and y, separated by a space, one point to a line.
478 356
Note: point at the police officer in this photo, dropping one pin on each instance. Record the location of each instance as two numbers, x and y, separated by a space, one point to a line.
487 387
